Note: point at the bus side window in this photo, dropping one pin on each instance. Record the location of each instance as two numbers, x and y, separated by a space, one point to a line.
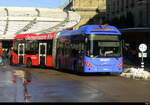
21 49
36 47
27 48
49 48
82 50
16 46
42 49
87 46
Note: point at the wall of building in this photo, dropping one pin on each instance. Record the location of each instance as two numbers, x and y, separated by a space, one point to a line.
129 13
148 12
90 10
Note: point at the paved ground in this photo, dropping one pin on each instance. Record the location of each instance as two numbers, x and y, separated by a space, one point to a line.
10 90
47 85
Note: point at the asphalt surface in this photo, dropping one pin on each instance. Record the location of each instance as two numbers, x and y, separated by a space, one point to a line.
20 84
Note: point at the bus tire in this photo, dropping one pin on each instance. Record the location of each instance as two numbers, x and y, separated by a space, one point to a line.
29 63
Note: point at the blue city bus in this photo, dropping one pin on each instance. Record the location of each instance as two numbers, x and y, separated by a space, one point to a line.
89 49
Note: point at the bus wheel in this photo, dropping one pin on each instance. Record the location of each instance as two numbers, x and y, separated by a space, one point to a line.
29 63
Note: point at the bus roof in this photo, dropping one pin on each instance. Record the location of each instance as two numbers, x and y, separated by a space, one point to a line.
93 29
32 36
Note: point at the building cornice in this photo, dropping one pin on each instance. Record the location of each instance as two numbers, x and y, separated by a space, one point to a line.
85 9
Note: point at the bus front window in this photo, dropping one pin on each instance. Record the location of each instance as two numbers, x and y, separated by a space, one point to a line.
99 47
107 49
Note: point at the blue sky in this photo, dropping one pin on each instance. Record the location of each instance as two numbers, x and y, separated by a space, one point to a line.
33 3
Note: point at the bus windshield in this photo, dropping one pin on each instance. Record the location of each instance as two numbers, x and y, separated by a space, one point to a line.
104 46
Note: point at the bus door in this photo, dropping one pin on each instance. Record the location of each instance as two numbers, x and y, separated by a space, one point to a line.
42 53
21 53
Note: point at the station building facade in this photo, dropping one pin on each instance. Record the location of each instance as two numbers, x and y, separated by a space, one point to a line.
128 13
91 11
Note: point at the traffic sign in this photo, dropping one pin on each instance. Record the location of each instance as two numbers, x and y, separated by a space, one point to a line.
144 55
142 47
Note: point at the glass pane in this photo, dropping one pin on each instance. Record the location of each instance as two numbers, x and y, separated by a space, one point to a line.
105 49
20 49
104 37
42 49
108 44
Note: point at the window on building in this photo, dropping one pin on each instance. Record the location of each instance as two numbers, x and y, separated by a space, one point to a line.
140 2
140 18
113 7
118 6
122 5
132 3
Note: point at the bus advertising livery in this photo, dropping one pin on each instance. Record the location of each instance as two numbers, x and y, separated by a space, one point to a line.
33 49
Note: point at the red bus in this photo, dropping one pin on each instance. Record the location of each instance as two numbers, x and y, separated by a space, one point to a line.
33 49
